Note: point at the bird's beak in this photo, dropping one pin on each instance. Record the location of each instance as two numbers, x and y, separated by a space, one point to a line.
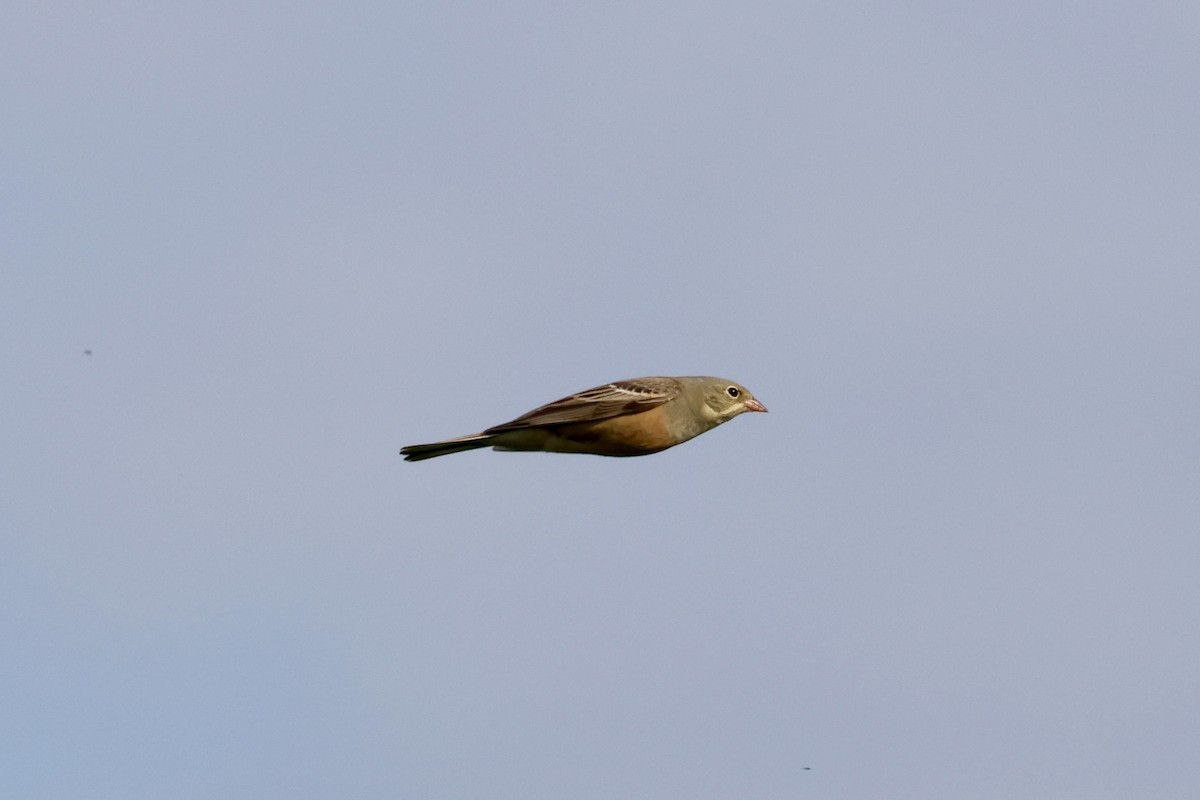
754 405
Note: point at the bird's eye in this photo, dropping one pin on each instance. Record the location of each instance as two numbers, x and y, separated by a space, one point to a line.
733 391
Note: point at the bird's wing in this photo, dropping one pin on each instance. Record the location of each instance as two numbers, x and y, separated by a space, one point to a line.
602 402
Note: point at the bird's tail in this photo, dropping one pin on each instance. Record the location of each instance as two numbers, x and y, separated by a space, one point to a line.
420 452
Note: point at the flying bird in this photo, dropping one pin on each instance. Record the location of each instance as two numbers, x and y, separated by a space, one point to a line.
636 417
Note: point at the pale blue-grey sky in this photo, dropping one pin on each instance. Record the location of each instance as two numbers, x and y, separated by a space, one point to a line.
955 249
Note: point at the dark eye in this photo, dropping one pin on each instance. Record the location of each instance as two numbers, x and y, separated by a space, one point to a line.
733 391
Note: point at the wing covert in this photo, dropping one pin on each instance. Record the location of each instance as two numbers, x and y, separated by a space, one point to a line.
601 402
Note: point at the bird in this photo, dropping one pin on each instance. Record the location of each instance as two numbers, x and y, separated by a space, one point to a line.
633 417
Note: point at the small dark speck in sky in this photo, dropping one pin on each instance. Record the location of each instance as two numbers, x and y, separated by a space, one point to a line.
87 352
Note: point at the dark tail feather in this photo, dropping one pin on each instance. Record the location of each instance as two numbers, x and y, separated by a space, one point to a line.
420 452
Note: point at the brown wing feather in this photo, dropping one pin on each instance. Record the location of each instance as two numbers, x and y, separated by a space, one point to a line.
611 400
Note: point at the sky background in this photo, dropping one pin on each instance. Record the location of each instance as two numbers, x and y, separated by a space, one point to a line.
954 248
